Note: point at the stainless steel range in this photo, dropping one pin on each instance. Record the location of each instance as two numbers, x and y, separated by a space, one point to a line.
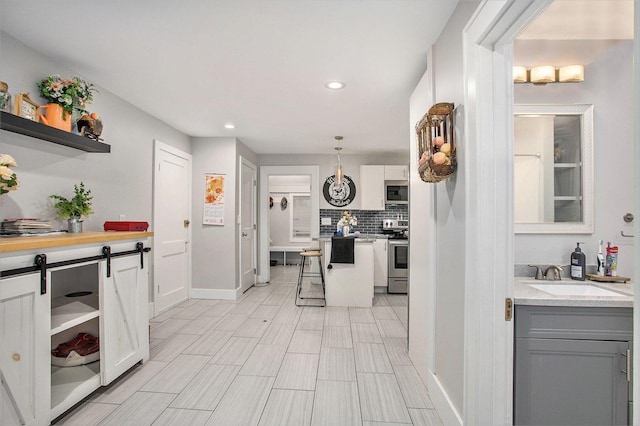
398 252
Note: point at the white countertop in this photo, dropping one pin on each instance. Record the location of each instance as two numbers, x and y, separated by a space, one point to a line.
525 295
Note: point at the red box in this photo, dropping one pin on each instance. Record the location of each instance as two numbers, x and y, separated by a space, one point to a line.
126 226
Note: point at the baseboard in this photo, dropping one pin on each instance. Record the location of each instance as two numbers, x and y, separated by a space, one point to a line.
441 402
212 293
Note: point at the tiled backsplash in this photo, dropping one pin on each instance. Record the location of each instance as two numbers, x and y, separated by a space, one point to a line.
369 221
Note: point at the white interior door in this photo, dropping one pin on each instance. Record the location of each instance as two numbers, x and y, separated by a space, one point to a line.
171 226
247 227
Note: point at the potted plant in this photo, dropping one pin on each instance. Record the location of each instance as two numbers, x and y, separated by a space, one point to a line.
8 179
76 208
64 96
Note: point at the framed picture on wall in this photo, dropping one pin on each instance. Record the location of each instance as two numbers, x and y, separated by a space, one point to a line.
25 107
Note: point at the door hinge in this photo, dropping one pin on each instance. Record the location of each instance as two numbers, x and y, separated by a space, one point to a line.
508 309
255 227
255 271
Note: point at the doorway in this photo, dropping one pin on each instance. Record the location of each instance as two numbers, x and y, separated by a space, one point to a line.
247 228
264 224
171 226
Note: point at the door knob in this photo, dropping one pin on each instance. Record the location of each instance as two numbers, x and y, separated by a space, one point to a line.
244 234
186 223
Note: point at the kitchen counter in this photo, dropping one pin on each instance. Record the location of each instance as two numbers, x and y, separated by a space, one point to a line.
526 295
363 238
13 244
346 284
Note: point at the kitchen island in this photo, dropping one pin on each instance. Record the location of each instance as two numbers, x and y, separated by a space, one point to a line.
349 284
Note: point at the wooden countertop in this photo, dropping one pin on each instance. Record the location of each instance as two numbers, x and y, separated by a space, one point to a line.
10 244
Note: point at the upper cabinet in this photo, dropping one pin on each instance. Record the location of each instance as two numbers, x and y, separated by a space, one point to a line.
372 187
396 172
15 124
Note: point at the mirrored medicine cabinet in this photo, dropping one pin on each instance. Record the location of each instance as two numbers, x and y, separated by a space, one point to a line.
553 169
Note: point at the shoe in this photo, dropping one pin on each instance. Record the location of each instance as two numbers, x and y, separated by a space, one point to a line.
83 344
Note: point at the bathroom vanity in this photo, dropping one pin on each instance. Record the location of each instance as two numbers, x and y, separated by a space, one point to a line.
573 353
51 289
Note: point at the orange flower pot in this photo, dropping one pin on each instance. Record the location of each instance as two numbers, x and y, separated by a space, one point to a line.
55 117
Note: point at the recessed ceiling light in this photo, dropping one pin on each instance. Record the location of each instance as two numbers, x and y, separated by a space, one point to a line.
334 85
229 126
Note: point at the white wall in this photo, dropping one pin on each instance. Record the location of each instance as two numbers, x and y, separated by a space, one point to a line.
608 86
327 162
121 182
449 228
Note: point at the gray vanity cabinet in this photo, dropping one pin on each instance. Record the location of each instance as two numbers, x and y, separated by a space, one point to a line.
571 365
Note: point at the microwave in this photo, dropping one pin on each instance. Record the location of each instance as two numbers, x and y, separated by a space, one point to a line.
396 192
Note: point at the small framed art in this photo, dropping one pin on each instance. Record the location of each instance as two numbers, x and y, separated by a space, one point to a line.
24 107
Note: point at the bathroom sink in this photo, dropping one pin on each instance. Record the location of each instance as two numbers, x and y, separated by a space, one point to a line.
574 290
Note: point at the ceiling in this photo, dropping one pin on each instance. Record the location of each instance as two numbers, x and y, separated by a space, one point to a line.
574 32
260 64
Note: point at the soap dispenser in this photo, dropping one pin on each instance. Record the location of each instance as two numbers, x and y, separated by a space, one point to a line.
578 264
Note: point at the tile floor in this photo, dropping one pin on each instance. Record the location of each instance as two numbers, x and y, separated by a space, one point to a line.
260 360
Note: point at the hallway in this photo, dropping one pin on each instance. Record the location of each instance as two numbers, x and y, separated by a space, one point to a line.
260 360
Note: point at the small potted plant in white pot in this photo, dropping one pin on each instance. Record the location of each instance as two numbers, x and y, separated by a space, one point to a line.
74 209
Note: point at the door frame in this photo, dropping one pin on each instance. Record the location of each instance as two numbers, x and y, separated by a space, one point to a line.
157 147
242 161
488 167
264 272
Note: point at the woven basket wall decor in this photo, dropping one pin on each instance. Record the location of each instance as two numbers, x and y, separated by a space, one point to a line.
436 147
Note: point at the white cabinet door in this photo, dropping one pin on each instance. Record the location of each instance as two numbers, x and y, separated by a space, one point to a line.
396 172
24 352
123 304
380 272
371 187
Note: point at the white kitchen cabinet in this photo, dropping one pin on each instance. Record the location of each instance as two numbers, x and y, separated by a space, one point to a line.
371 187
396 172
87 292
380 259
24 351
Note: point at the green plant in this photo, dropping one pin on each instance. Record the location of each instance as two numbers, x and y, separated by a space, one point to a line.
71 95
78 206
8 179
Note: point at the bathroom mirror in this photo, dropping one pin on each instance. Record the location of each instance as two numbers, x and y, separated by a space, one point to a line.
553 169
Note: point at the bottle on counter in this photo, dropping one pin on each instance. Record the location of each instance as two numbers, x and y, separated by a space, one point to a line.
600 267
578 264
611 261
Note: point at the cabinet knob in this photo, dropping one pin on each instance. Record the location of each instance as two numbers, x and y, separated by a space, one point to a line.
16 357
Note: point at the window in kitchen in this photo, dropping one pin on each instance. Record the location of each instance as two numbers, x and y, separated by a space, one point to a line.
300 218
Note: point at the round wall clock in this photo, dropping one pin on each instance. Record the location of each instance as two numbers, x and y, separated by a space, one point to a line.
339 195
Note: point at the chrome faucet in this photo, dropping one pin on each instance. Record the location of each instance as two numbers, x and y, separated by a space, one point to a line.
553 273
539 275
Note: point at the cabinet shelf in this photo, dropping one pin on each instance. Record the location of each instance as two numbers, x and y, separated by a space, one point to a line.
68 312
15 124
70 384
567 198
565 165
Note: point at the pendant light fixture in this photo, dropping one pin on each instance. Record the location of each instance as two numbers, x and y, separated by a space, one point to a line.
339 172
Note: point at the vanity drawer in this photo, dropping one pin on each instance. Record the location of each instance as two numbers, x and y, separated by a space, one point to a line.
578 323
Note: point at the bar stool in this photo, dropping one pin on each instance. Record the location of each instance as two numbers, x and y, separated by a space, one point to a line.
302 274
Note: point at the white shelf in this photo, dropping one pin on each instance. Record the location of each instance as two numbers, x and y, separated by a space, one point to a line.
565 165
67 312
567 198
69 385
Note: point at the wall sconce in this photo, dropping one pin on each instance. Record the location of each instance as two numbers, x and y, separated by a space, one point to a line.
548 74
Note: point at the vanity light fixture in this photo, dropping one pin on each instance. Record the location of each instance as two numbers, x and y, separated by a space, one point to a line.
230 126
544 74
339 172
548 74
571 74
334 85
520 74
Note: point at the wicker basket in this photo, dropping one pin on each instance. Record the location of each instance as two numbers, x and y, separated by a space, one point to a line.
433 131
